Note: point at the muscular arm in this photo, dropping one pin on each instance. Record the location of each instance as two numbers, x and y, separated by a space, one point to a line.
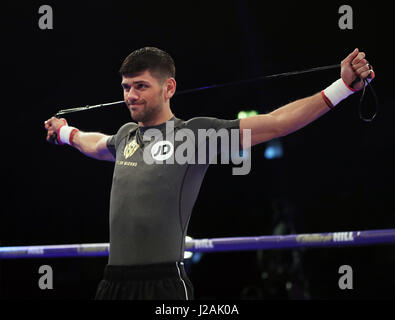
285 120
91 144
298 114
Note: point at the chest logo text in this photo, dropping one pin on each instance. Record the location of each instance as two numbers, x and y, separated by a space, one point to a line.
162 150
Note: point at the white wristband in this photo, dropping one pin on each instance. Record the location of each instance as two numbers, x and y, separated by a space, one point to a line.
337 92
64 134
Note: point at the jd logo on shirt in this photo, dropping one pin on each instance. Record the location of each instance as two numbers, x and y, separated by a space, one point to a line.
162 150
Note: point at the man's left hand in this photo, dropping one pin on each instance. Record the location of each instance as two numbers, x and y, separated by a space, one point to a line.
355 68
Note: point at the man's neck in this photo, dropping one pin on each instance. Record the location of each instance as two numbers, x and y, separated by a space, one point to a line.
158 120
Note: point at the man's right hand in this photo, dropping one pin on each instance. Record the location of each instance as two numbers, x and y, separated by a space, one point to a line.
92 144
53 125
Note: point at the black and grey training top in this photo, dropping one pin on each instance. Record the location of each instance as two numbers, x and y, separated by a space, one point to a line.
152 195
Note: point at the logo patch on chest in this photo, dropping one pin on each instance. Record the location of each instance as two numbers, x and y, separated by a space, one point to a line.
162 150
130 149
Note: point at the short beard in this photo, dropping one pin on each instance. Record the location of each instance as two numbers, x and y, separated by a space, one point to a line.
146 115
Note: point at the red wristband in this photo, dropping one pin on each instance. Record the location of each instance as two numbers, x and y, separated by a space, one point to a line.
58 132
328 102
73 132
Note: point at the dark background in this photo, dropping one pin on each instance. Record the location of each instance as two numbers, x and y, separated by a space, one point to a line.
336 174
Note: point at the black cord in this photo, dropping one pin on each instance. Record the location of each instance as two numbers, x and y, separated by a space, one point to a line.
257 79
238 83
376 101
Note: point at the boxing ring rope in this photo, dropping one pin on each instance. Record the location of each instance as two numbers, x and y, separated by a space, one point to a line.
330 239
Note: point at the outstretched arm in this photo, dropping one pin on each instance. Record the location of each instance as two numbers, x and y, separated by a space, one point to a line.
91 144
297 114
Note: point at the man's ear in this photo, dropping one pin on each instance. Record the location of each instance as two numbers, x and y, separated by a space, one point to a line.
170 88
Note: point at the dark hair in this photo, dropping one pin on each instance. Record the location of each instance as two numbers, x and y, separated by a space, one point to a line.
158 62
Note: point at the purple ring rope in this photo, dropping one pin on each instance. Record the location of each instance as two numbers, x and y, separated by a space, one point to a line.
330 239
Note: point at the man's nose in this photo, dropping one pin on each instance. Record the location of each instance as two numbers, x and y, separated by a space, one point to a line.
131 95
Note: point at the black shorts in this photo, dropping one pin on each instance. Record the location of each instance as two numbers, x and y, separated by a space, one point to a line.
164 281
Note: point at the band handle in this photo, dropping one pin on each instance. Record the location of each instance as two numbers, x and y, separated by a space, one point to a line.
53 138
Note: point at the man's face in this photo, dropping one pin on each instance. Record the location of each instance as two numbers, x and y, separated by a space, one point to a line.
143 94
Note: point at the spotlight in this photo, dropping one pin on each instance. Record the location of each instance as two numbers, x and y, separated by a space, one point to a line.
274 149
188 254
246 113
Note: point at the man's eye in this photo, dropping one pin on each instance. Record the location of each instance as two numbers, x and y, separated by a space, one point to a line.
141 86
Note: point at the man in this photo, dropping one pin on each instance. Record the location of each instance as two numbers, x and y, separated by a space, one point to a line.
151 203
